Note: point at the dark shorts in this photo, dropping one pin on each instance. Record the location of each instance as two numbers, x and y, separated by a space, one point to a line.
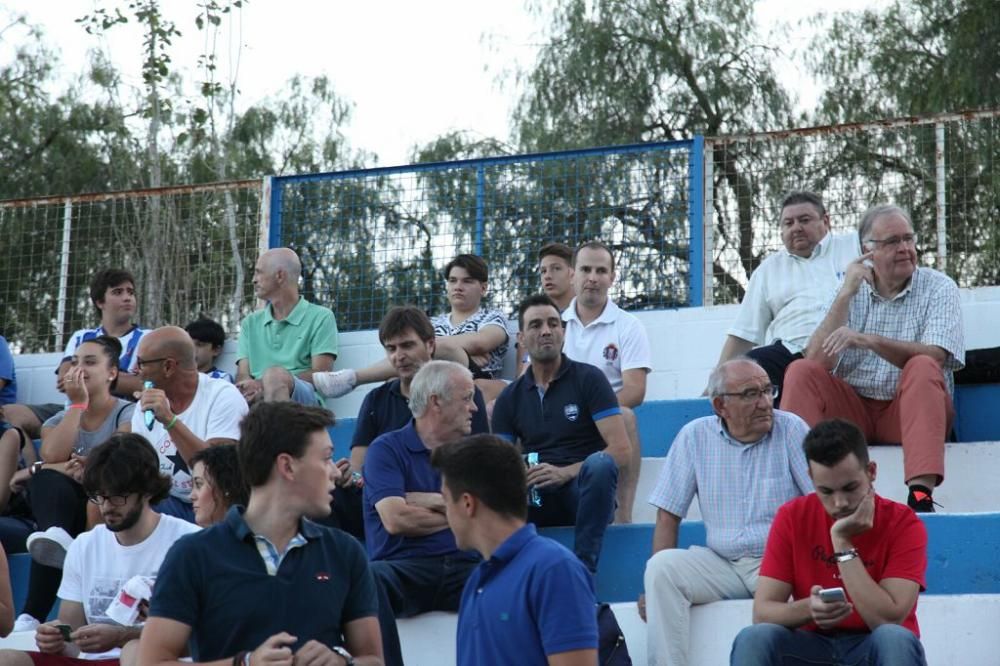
45 411
45 659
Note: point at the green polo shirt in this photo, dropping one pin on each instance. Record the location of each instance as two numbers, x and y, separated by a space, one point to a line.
290 343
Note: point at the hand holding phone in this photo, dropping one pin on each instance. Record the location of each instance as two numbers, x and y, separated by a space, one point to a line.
66 631
831 594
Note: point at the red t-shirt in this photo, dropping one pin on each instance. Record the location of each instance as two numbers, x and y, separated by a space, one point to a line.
799 551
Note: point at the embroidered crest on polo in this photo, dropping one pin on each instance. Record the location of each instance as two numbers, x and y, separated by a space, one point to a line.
322 576
572 411
610 352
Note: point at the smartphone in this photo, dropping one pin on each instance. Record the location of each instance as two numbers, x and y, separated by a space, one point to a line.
869 263
66 632
832 594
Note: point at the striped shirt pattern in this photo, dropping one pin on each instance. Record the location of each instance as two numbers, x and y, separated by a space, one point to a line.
927 311
739 486
482 317
269 553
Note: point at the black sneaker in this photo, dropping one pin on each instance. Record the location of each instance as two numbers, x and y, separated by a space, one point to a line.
920 499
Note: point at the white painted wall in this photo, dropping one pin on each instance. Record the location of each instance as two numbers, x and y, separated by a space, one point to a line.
685 345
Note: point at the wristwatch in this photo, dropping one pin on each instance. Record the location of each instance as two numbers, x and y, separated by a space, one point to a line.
845 556
345 654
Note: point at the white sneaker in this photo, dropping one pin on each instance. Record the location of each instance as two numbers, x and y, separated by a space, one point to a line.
25 622
49 547
335 384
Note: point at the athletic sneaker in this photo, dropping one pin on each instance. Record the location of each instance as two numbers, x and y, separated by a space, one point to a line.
49 547
920 499
25 622
335 384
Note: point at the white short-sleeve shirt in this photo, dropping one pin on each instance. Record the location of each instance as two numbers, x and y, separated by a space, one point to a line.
215 413
614 342
787 293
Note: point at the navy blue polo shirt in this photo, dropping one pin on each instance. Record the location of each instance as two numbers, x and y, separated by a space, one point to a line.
561 425
533 598
385 409
215 582
398 463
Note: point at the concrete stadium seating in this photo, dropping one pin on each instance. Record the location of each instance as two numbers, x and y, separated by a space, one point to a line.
960 610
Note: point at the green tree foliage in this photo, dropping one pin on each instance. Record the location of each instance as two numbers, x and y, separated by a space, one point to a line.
918 57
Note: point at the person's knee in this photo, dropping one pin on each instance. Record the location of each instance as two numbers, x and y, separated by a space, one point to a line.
893 637
599 465
803 369
922 365
14 658
275 377
663 568
757 639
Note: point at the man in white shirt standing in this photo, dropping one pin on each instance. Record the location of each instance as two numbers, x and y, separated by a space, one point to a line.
784 301
602 334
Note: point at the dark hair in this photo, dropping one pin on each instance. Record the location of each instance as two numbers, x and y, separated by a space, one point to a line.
126 463
223 465
831 441
803 197
532 301
111 347
402 318
207 330
487 468
273 428
108 279
594 245
557 249
473 264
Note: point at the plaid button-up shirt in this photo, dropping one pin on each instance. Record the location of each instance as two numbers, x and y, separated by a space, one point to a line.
739 486
927 311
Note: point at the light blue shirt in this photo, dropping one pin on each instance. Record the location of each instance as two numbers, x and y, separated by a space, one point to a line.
739 486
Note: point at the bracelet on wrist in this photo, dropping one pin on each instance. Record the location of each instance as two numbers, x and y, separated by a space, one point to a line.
171 424
79 405
845 555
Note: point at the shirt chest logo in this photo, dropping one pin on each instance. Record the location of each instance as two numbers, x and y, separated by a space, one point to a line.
610 353
572 411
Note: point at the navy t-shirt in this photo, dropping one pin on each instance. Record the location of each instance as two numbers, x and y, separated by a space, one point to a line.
561 425
215 582
385 409
8 394
398 463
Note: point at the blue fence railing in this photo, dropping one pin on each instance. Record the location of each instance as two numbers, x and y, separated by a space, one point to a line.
373 238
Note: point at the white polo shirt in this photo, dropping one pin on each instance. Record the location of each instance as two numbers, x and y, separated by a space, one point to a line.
787 293
614 342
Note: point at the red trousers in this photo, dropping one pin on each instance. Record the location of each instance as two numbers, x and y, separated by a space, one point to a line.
919 416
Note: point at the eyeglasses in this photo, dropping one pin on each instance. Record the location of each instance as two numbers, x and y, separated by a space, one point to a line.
113 500
895 241
139 362
769 391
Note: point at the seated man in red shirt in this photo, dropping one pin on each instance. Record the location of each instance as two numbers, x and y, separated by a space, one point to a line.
842 536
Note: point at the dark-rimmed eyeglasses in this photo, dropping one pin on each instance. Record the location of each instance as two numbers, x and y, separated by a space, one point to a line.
139 362
769 391
113 500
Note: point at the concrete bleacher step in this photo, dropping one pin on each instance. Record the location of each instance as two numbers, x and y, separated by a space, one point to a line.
971 470
956 630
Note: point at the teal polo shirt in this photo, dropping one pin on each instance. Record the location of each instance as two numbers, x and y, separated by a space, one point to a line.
290 343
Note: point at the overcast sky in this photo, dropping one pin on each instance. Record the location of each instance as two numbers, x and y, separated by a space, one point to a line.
413 70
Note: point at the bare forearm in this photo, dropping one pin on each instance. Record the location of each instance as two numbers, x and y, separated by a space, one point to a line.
58 442
415 521
187 442
631 396
788 614
474 344
874 604
665 532
734 346
899 352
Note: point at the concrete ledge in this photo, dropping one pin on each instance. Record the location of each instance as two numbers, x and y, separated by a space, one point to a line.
956 630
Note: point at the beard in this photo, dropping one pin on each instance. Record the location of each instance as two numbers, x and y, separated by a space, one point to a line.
127 521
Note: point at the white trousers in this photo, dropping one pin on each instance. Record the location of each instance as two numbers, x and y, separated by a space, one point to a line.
677 578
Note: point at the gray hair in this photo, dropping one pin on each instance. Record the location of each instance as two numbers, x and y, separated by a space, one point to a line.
720 374
434 378
875 212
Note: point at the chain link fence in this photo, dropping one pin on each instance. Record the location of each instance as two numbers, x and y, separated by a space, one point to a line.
688 221
942 169
188 247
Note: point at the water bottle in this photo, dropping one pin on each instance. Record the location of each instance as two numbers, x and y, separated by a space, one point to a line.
534 497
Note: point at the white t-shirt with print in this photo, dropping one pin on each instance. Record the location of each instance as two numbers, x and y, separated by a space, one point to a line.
97 566
215 413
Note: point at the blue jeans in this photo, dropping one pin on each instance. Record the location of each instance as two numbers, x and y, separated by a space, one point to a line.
773 645
408 587
587 502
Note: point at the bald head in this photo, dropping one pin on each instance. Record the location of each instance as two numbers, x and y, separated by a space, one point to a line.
720 375
169 342
276 275
283 259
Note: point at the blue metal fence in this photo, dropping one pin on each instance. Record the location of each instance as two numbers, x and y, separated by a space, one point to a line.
373 238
